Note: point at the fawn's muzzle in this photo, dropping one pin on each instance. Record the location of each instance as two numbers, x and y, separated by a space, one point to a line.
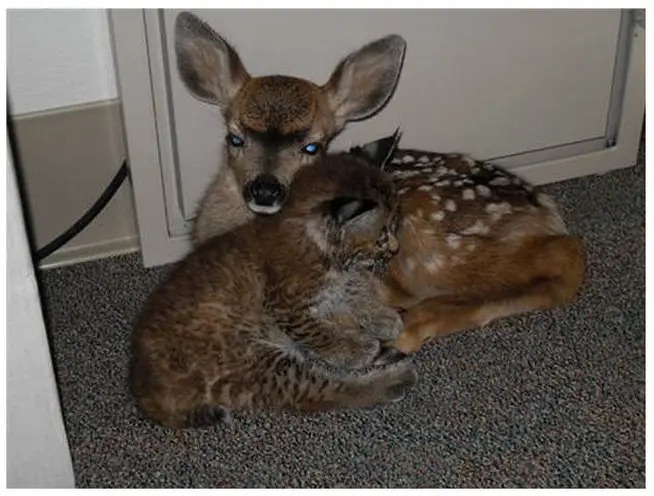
265 194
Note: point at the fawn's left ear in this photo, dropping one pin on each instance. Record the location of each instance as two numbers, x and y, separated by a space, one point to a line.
379 152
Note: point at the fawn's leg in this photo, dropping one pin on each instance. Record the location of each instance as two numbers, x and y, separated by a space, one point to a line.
555 283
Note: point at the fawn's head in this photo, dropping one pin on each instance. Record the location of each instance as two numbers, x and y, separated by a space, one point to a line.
276 124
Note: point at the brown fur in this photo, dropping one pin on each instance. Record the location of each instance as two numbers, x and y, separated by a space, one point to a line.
526 261
465 258
237 325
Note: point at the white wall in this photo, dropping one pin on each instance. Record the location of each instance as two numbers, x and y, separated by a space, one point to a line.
37 448
57 58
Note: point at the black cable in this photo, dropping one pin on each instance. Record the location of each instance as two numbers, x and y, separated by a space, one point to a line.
88 216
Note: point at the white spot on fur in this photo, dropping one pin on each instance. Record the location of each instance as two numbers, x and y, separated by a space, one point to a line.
468 194
471 246
470 161
500 181
434 264
477 228
498 210
458 184
424 159
483 190
408 173
453 241
437 216
403 191
435 198
425 187
442 170
450 205
413 219
445 182
407 159
396 161
475 170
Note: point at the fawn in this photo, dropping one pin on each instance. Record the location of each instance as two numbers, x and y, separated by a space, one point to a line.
476 244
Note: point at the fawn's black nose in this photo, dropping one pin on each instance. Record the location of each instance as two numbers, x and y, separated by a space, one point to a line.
265 194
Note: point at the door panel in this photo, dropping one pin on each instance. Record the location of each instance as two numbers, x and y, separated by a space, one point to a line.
491 83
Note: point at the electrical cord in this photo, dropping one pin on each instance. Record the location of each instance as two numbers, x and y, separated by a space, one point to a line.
88 216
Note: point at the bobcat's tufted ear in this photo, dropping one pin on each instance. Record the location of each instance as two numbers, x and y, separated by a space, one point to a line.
354 212
379 152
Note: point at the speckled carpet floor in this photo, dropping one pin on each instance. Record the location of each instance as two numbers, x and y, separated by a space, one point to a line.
549 399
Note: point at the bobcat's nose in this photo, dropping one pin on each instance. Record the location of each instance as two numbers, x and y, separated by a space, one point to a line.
265 194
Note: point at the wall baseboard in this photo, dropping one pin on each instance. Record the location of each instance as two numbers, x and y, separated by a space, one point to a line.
94 251
66 158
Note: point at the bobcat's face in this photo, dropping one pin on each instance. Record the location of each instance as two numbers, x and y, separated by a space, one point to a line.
350 210
373 248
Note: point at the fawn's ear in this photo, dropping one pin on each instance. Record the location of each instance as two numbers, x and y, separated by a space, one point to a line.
379 152
364 80
209 67
356 213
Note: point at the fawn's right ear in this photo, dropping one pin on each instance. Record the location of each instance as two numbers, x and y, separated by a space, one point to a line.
209 67
364 81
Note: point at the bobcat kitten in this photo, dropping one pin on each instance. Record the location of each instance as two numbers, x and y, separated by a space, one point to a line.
281 312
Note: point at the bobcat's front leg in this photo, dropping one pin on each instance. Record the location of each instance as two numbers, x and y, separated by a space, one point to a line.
383 323
336 338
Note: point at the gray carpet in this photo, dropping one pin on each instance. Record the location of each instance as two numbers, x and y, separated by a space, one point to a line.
549 399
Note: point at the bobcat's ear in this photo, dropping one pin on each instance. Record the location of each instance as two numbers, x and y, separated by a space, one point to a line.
379 152
345 210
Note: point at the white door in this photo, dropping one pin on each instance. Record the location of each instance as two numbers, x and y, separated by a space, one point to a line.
552 94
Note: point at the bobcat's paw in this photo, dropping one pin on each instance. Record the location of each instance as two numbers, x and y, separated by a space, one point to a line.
386 325
388 356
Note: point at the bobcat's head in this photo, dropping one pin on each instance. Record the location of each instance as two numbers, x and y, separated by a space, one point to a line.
349 210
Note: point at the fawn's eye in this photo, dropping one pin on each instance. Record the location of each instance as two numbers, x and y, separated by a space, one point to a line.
311 148
235 141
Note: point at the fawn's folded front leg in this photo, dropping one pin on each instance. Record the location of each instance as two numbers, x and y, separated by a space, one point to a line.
434 318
